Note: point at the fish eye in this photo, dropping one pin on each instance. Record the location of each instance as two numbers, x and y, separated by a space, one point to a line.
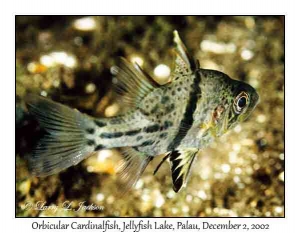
240 102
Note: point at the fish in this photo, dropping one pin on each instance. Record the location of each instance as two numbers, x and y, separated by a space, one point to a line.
177 119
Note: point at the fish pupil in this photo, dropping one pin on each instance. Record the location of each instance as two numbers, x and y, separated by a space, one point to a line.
242 102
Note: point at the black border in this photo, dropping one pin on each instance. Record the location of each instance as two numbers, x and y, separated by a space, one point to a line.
117 217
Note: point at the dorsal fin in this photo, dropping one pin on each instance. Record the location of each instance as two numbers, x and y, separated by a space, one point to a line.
132 167
131 82
183 63
181 163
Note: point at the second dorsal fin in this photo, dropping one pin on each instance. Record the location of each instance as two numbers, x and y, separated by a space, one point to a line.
131 82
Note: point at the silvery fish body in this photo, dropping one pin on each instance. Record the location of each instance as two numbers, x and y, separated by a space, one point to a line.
176 119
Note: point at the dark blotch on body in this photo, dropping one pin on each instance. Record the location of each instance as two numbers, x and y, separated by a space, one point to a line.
90 131
163 135
116 120
147 143
152 128
91 142
154 109
133 132
100 124
99 147
167 124
170 108
111 135
164 99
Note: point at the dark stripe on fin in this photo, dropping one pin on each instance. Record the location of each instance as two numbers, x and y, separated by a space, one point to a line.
187 121
181 162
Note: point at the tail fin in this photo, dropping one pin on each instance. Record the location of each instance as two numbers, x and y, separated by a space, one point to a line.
65 144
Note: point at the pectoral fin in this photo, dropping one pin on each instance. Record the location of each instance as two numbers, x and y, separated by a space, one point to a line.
181 162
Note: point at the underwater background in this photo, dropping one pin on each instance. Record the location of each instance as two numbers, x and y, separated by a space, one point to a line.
68 59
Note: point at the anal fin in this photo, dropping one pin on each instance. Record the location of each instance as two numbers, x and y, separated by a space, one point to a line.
133 166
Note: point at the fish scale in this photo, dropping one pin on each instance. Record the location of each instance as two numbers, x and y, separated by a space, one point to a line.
176 119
